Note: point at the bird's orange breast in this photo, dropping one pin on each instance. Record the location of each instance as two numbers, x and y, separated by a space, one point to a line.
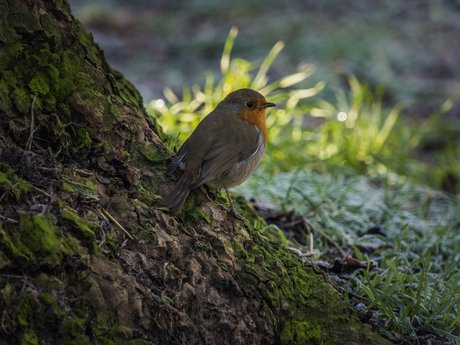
256 117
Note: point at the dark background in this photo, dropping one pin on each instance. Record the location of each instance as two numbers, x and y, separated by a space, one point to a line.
413 47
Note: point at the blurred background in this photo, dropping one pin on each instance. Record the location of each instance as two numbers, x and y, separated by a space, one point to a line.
365 60
411 46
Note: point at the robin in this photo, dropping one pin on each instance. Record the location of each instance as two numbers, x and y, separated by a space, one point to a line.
223 150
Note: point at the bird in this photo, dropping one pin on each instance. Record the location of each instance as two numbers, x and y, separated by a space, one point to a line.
223 150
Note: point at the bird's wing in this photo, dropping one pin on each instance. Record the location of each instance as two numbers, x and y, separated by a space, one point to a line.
176 160
223 155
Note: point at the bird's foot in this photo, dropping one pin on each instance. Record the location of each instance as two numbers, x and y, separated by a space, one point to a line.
224 208
233 210
237 215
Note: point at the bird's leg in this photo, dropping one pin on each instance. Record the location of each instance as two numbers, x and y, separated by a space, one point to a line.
233 208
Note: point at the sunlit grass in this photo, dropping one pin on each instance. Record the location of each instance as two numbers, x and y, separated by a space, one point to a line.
357 133
182 115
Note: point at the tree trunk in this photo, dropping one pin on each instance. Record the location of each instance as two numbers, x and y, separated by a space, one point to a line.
72 129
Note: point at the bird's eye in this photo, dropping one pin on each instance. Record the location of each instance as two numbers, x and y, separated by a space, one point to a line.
249 104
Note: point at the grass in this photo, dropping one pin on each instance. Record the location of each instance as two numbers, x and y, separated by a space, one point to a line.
354 171
415 286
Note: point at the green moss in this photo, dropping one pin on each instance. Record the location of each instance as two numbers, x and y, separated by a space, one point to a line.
50 24
142 195
301 298
4 261
41 237
97 250
5 183
300 333
21 190
8 294
73 326
38 84
239 252
147 156
21 100
6 105
52 303
59 204
48 282
35 238
79 224
137 342
71 62
245 209
222 265
101 324
64 115
172 273
67 187
15 248
9 51
111 114
81 139
80 308
25 312
191 211
109 240
28 338
4 168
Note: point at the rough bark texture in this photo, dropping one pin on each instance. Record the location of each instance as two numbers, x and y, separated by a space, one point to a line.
69 274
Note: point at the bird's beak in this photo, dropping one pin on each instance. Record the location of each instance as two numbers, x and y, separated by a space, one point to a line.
267 105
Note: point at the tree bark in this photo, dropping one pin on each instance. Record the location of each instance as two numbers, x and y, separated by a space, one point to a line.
73 129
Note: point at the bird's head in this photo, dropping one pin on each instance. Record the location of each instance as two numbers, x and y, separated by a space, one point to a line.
248 105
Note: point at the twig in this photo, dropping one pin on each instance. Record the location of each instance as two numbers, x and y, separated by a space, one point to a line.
11 276
32 123
99 213
70 209
59 151
113 219
42 191
9 219
8 190
294 250
309 223
83 171
310 234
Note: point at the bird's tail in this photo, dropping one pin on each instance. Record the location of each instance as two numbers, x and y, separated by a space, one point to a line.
176 198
